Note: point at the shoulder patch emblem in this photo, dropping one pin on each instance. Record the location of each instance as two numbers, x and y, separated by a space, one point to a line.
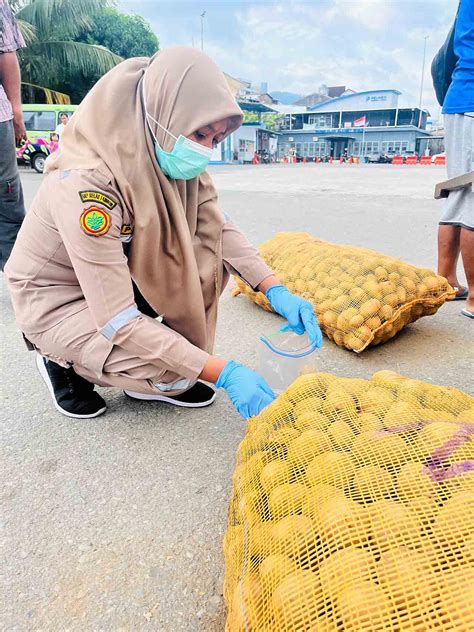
97 196
95 221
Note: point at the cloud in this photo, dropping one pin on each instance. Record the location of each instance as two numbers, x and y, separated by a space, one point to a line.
372 14
298 45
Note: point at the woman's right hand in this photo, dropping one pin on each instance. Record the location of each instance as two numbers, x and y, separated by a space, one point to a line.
247 390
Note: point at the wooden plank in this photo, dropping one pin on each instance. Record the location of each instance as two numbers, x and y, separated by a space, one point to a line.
443 189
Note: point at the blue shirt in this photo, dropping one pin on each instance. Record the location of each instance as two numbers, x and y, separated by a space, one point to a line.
460 96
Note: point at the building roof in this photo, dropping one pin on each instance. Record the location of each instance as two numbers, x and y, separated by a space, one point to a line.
337 91
255 106
290 109
354 130
235 85
312 99
337 100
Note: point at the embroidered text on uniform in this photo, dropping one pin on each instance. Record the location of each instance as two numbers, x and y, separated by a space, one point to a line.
97 196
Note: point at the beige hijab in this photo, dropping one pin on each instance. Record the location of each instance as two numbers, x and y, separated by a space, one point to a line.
175 256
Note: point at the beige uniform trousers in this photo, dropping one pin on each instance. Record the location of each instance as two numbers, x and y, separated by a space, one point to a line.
100 361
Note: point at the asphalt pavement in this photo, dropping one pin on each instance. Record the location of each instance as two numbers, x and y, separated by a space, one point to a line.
116 523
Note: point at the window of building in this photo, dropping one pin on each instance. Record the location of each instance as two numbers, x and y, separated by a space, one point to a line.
40 121
309 149
321 148
297 146
320 120
395 145
369 147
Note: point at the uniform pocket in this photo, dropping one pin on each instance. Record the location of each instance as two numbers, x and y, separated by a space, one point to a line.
94 354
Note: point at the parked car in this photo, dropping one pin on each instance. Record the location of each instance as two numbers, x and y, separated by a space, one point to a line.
389 155
378 158
35 153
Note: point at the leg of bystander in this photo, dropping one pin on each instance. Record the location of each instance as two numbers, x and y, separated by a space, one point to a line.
12 208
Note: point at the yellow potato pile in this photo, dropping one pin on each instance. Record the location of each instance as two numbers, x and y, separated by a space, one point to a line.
352 509
361 297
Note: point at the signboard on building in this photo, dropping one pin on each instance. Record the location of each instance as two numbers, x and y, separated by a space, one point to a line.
339 130
360 102
377 98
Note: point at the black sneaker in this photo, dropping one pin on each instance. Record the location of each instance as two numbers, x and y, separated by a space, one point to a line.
198 396
72 395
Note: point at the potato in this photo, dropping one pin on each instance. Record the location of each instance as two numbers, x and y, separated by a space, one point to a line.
372 483
286 499
364 606
308 445
296 601
275 473
345 568
246 608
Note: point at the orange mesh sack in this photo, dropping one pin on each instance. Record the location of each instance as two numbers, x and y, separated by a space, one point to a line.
352 509
361 297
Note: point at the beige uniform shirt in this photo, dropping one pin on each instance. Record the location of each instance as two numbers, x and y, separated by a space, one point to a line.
70 256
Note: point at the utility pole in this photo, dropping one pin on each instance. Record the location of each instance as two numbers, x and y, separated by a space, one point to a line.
202 29
423 70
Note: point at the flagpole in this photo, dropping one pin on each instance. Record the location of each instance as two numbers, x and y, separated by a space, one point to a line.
363 140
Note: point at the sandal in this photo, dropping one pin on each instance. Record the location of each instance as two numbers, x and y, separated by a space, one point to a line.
461 294
467 313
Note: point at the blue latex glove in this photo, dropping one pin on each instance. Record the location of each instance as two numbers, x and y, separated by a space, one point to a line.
247 390
298 312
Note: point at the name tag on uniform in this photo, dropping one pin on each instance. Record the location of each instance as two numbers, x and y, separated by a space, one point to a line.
126 233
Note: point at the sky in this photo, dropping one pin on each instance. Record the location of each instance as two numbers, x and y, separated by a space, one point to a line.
298 45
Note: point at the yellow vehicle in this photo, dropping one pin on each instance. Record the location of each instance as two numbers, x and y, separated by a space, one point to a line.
42 119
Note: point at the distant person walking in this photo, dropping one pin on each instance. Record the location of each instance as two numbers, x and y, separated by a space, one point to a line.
456 226
12 131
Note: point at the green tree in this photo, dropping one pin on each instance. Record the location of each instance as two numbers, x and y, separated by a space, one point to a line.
124 35
52 56
272 121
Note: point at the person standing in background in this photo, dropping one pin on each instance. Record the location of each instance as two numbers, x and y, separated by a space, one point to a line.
12 132
64 118
456 226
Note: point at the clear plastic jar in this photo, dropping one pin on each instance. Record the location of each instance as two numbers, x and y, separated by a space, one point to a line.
283 356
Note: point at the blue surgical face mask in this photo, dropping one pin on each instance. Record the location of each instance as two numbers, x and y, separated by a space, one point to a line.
187 159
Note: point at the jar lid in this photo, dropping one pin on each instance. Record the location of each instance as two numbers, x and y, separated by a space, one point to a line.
289 344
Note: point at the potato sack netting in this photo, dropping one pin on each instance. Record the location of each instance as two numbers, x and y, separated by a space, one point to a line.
352 509
361 297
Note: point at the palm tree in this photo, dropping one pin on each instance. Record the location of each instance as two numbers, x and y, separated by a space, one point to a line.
51 57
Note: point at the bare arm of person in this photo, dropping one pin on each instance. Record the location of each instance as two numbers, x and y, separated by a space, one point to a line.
10 79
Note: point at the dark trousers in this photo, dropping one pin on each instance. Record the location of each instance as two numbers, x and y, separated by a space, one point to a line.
12 208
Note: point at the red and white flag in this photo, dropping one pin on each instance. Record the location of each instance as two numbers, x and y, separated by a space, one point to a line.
360 122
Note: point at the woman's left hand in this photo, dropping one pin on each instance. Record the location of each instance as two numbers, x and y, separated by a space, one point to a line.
298 312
